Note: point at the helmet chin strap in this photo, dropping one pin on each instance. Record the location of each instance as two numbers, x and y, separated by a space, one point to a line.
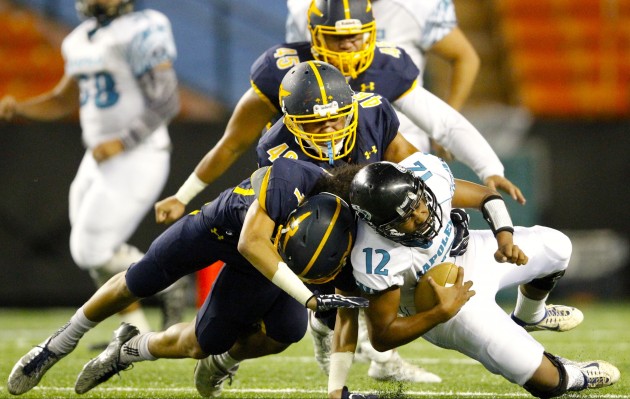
331 159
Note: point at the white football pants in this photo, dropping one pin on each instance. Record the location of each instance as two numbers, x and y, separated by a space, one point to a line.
108 201
482 330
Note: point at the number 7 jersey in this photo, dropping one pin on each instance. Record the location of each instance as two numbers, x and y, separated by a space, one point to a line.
107 62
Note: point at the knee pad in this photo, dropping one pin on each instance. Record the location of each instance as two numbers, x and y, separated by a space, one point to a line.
547 283
561 389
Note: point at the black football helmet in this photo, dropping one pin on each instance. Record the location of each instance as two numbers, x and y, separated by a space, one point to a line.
384 194
90 8
342 18
317 238
313 92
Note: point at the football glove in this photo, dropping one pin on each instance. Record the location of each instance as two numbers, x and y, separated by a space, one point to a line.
329 301
460 219
345 394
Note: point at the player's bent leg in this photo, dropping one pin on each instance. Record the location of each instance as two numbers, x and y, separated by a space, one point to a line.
108 363
122 259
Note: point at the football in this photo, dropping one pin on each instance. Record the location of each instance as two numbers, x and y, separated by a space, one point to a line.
443 274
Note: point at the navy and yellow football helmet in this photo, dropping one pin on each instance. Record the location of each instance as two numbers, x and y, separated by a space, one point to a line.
317 238
315 92
330 19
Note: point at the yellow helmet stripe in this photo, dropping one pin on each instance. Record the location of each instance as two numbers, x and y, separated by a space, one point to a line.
324 239
346 8
262 197
320 82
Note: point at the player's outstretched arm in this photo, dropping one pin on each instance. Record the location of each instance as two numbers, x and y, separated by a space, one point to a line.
57 103
255 245
455 49
244 127
388 330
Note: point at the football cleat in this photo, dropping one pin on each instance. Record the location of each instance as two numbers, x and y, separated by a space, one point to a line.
598 374
30 369
322 341
210 376
346 394
557 318
108 363
397 369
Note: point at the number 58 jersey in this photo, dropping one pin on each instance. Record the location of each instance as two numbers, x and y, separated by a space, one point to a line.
379 263
107 61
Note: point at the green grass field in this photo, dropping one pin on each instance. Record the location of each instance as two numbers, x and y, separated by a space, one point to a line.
294 373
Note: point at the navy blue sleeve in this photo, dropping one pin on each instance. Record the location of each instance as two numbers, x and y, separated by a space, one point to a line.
288 182
391 74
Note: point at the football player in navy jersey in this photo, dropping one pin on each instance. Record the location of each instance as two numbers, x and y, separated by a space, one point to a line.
327 123
260 284
344 37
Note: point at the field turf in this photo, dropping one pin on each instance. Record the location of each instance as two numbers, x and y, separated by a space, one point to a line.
604 334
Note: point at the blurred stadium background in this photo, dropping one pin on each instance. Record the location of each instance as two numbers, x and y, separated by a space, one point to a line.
552 97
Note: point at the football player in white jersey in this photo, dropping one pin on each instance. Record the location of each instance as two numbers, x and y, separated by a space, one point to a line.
406 230
419 27
119 74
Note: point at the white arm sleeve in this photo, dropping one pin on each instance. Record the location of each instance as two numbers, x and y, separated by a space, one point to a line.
449 128
296 29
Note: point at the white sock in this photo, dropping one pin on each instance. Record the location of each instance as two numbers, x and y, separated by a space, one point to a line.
529 310
66 338
226 361
137 319
576 378
137 349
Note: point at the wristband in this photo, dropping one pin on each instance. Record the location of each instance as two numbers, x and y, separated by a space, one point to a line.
340 363
291 284
191 187
496 214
